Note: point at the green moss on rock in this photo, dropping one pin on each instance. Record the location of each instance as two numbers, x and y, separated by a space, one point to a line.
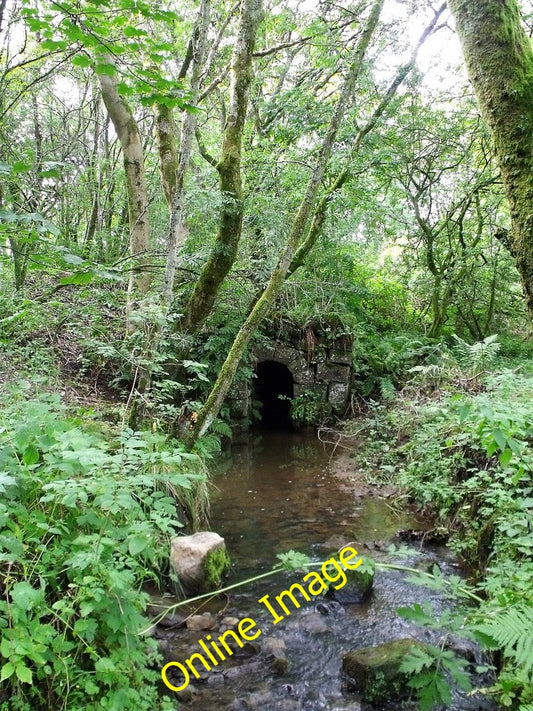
216 563
358 586
374 672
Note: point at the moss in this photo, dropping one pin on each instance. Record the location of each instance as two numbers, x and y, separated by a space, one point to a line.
499 58
215 565
374 672
358 586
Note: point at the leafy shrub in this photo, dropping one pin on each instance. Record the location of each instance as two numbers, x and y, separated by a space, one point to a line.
469 458
310 408
83 522
382 362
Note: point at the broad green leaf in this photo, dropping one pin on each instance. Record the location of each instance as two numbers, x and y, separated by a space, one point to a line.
293 560
81 60
106 68
24 674
53 45
20 166
5 481
505 457
25 596
30 455
79 278
136 544
500 438
7 671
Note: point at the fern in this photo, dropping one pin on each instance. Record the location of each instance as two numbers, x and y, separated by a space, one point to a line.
478 356
512 630
526 707
432 373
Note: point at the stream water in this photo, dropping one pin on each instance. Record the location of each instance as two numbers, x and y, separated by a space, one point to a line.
285 491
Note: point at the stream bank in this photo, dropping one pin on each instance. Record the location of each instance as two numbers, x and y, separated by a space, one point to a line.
280 492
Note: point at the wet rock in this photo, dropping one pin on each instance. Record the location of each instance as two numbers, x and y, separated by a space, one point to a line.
199 560
239 705
248 649
229 623
465 648
314 623
336 607
215 680
187 694
171 621
275 650
322 609
206 621
259 700
374 672
243 670
336 542
357 588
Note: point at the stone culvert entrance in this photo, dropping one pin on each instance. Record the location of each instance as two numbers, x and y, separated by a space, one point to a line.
294 371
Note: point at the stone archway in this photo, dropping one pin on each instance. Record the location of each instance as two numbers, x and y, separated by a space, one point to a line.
274 390
324 372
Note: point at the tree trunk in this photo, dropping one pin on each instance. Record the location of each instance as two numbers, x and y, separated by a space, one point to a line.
298 231
499 58
174 165
224 250
132 150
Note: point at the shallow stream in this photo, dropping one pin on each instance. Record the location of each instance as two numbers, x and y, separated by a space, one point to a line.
284 491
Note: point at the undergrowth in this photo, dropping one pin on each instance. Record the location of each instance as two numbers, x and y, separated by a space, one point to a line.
85 519
461 449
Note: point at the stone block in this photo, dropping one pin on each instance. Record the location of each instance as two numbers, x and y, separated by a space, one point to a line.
338 395
340 357
332 373
302 373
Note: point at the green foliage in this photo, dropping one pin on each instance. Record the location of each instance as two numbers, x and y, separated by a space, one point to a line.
293 561
511 631
83 522
468 458
309 408
429 667
479 356
382 362
98 31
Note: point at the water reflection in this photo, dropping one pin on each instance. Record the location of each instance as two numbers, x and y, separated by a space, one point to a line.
280 493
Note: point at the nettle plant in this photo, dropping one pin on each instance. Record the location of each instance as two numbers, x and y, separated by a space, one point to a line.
83 522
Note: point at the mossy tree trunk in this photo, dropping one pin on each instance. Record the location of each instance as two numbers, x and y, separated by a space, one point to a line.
499 58
224 250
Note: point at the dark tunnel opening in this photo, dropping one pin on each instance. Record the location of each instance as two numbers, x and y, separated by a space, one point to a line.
274 390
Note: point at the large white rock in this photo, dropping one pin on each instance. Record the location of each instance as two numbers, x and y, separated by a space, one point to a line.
188 556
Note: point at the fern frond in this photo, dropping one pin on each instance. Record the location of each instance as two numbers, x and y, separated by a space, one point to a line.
512 630
478 356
